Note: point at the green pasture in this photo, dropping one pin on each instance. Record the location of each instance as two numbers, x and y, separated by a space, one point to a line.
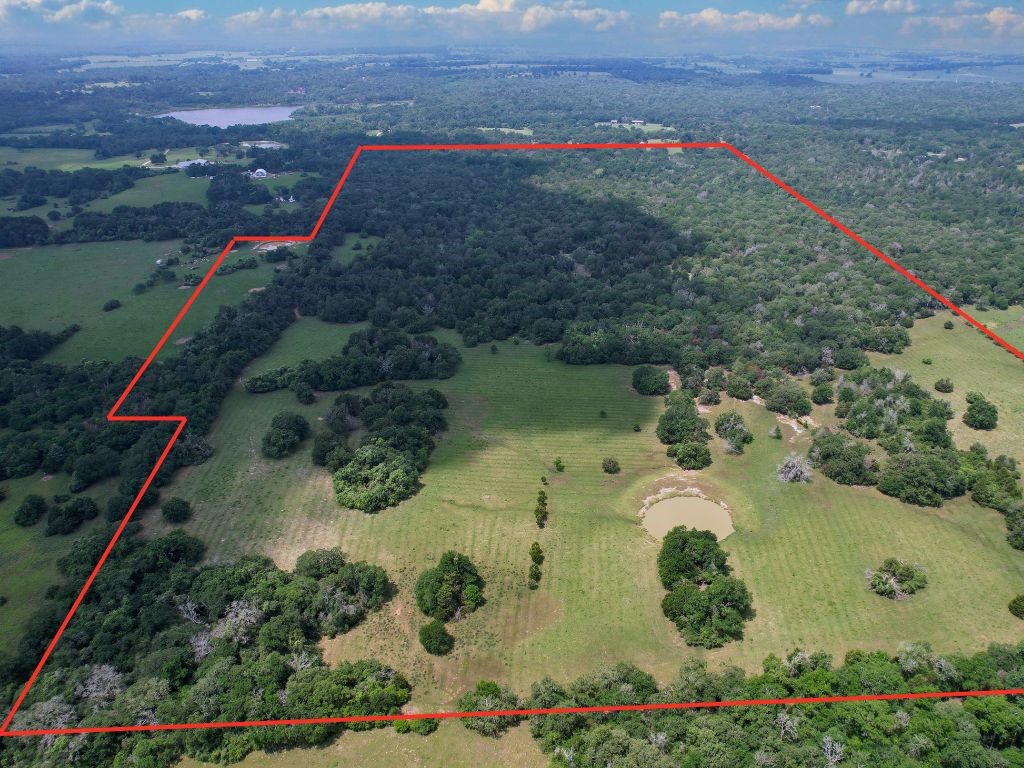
974 363
802 550
51 287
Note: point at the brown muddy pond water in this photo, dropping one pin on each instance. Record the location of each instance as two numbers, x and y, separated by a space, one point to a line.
691 511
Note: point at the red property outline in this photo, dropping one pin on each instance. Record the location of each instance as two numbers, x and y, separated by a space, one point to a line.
113 416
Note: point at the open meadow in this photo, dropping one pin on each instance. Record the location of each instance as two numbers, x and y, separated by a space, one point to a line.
974 363
802 549
50 287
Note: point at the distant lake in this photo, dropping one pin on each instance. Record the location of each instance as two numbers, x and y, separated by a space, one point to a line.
223 117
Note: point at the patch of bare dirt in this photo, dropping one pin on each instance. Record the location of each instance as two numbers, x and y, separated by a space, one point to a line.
674 379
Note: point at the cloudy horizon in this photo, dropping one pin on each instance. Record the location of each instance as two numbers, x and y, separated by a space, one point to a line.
641 27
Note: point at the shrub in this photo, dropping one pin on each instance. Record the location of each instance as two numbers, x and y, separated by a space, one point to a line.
540 512
287 431
536 553
453 584
775 433
611 466
730 426
111 305
709 397
1017 606
739 387
789 398
648 380
435 639
422 727
680 422
980 414
31 510
534 572
488 695
924 478
66 518
690 455
948 325
795 469
842 459
896 579
944 385
822 394
559 465
176 510
377 477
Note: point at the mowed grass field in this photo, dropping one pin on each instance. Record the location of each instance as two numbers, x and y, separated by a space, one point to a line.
59 159
802 550
167 188
51 287
974 363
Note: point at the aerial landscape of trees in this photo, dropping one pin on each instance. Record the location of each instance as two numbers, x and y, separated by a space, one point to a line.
647 259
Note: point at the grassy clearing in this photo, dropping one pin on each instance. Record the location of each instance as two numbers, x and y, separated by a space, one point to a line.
451 746
306 339
346 252
511 415
509 131
52 159
802 550
28 560
974 363
50 287
173 187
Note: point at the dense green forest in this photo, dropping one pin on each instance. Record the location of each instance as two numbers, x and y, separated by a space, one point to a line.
643 258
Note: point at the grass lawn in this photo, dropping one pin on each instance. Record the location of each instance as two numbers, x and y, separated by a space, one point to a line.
974 363
50 287
174 187
802 549
450 746
54 159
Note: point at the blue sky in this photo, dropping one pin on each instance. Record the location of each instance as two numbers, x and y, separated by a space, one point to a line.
595 27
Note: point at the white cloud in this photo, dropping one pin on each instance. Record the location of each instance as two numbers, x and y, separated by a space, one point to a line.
742 21
84 11
599 19
164 22
861 7
998 22
1005 21
503 14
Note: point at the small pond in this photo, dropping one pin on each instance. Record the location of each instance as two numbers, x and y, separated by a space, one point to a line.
223 117
691 511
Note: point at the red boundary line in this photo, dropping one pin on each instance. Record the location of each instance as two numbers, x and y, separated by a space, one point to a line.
113 416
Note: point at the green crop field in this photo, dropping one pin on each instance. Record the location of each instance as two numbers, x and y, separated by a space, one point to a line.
802 550
974 363
50 287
